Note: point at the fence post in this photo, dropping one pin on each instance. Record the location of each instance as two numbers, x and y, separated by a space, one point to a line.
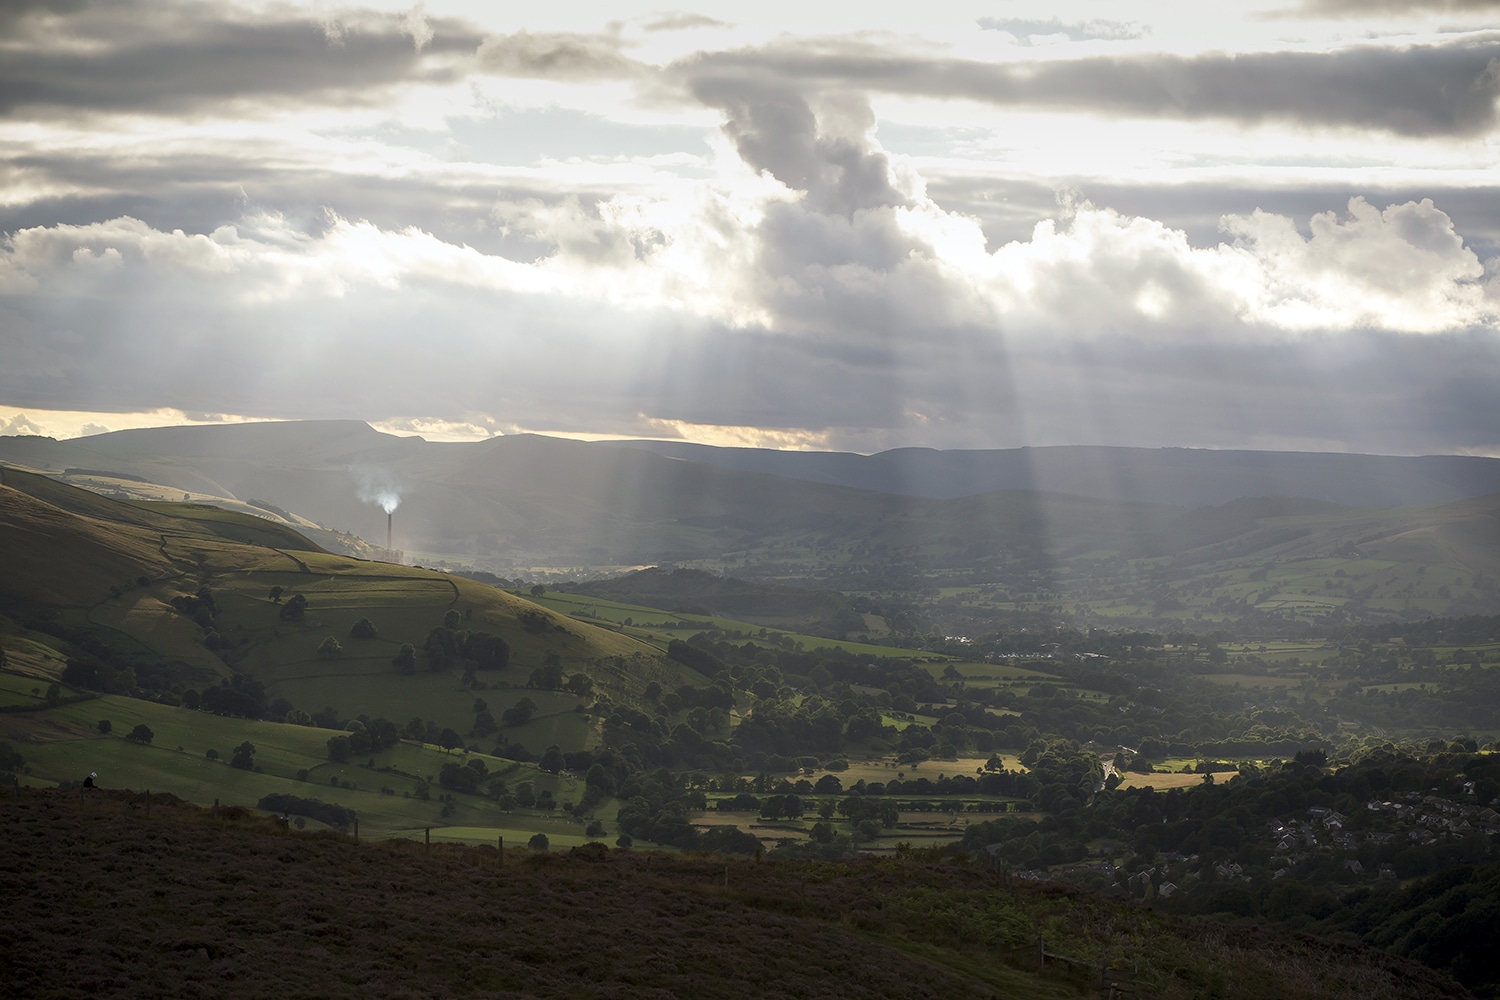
356 829
1041 953
500 844
726 878
148 803
427 840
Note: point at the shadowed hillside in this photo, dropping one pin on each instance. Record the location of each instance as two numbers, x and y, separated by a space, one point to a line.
104 900
1188 476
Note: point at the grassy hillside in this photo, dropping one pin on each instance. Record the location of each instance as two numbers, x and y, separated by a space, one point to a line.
175 603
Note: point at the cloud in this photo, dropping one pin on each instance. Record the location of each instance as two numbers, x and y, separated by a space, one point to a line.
21 424
844 312
795 284
683 21
176 57
1364 8
1403 268
559 56
415 24
1418 90
1026 30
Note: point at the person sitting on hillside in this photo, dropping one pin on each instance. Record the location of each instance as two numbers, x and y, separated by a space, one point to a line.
89 781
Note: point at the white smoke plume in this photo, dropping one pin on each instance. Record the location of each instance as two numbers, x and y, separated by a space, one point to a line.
378 486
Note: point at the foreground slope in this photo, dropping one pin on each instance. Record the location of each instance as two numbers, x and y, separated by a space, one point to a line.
106 901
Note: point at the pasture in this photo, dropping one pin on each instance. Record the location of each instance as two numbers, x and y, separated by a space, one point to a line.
63 744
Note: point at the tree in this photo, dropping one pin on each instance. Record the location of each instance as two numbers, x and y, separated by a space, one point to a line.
330 649
538 590
488 651
104 726
275 595
453 619
295 609
518 713
141 734
449 740
244 756
538 842
405 659
211 754
363 629
338 749
462 777
548 676
552 760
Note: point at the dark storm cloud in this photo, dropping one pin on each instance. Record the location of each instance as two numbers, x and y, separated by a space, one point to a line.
168 58
1419 90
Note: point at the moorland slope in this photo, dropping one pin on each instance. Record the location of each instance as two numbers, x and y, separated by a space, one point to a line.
106 900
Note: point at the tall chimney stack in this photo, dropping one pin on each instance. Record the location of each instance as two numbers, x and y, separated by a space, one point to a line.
388 534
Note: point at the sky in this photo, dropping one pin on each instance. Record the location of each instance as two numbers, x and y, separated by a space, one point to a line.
827 226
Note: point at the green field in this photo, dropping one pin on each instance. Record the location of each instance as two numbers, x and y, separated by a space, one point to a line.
64 744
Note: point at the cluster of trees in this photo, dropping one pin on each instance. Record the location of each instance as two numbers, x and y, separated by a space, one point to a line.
324 812
368 737
447 645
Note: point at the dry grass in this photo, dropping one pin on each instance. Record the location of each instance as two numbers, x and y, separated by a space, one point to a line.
1161 782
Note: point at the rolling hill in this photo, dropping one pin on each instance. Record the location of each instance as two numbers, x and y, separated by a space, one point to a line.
184 604
1135 534
1189 477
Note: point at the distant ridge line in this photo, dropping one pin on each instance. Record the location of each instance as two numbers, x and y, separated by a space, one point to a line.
1187 476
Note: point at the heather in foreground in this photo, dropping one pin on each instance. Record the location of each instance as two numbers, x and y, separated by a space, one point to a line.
103 900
